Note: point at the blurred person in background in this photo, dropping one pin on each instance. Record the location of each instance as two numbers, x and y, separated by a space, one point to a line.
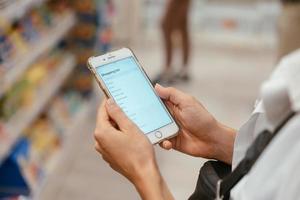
289 27
175 24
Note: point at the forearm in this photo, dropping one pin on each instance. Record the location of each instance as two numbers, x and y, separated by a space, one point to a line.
224 143
151 186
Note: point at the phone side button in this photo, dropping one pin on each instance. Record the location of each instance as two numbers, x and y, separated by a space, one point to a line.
158 134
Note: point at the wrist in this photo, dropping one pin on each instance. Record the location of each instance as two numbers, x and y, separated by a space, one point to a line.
150 184
224 143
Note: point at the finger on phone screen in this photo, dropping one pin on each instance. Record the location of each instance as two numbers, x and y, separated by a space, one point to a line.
117 115
177 97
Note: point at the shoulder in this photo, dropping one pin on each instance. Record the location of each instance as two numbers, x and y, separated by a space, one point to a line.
277 169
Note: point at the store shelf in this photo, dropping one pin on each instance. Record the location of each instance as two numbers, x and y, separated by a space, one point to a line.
227 38
17 9
71 133
24 117
18 65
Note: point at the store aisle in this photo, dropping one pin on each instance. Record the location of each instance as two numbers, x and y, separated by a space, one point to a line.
225 80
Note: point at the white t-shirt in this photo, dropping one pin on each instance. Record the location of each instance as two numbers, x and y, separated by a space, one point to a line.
276 174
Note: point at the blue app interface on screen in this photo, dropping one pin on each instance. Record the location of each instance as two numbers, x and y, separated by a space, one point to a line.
131 90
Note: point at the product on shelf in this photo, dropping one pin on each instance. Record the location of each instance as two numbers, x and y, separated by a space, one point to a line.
21 36
25 91
63 109
92 35
12 182
42 142
32 142
6 47
105 34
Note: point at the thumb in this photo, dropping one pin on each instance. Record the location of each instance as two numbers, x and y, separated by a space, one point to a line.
118 116
171 94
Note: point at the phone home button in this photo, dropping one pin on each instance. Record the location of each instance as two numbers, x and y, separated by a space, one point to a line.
158 134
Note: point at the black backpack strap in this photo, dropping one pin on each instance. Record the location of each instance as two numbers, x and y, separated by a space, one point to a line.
225 185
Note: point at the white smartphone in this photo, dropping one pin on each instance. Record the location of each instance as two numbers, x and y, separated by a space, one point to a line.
122 78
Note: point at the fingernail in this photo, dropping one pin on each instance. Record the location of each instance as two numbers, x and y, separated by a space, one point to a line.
158 85
110 102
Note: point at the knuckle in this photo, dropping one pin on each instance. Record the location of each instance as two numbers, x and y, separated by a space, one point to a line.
99 133
98 148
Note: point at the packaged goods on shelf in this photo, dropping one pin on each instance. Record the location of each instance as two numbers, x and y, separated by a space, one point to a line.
42 103
92 35
19 37
105 32
46 134
23 105
30 155
6 47
12 181
43 141
24 92
15 9
63 108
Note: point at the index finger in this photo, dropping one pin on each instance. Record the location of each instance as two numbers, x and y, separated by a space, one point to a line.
171 94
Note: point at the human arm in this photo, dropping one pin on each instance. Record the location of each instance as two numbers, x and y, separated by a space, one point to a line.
129 152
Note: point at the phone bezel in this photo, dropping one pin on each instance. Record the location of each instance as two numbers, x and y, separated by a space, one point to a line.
167 131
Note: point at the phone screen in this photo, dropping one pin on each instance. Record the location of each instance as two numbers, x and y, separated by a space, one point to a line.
131 90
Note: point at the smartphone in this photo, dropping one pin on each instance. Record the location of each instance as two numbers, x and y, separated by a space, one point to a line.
122 78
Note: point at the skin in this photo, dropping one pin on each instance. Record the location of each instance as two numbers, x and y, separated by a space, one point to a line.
174 21
128 151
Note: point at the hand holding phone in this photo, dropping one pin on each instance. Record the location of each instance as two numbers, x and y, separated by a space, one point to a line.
122 79
129 152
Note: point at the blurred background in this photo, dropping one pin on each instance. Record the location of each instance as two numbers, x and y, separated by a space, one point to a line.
218 51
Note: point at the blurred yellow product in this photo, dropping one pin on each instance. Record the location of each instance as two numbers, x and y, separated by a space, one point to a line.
12 100
43 137
4 24
36 74
28 96
19 44
34 77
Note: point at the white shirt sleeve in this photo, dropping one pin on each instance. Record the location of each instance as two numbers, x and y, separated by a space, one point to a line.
275 175
247 134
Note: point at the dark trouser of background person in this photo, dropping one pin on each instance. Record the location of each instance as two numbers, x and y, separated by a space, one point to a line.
289 27
175 21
